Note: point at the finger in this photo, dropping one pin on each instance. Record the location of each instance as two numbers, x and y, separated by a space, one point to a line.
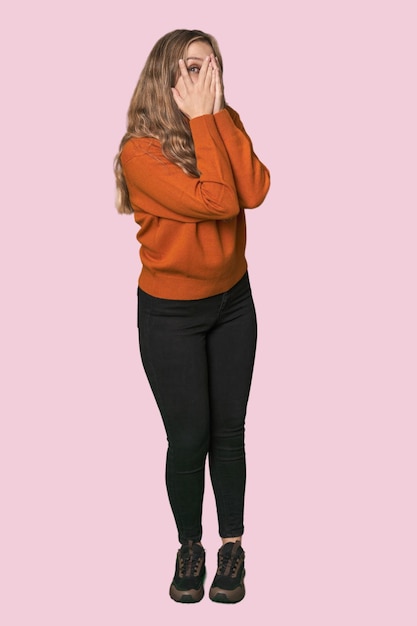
217 66
184 73
177 97
215 62
180 87
211 78
217 84
219 81
213 82
205 73
219 69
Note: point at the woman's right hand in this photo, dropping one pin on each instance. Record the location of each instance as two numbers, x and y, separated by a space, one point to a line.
199 97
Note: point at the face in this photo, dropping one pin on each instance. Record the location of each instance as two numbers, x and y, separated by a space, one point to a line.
195 54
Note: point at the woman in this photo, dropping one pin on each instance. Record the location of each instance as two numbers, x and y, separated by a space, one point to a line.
187 171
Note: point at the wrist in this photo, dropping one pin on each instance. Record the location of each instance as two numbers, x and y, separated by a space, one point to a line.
199 114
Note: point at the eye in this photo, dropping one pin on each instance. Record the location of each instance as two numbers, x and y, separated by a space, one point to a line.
194 69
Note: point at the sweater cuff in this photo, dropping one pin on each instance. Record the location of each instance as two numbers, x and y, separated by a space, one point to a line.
224 120
203 125
201 121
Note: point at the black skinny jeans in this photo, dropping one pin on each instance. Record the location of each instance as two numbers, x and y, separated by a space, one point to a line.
198 356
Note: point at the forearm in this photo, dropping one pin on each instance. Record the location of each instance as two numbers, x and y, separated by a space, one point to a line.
162 188
252 178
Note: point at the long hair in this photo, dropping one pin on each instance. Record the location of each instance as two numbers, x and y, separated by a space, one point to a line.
153 111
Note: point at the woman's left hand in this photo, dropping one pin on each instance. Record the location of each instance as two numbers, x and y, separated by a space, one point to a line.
219 98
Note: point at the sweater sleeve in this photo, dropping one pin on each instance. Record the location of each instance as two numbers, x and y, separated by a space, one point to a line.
160 187
252 178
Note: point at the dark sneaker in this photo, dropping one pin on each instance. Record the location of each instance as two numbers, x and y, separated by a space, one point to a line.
190 571
228 584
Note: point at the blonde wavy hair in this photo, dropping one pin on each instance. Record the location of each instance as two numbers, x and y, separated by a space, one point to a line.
153 111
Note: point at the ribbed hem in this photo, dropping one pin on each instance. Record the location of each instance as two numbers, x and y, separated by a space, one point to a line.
171 287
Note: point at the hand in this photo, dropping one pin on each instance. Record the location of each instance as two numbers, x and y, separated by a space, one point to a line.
199 97
219 99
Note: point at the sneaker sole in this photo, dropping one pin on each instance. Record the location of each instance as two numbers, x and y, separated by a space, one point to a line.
227 596
186 597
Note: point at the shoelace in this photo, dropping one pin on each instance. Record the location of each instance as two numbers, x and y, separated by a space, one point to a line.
228 563
190 561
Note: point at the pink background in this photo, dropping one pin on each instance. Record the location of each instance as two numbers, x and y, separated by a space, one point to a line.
327 91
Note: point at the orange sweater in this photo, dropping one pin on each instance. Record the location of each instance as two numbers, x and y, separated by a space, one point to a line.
192 230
